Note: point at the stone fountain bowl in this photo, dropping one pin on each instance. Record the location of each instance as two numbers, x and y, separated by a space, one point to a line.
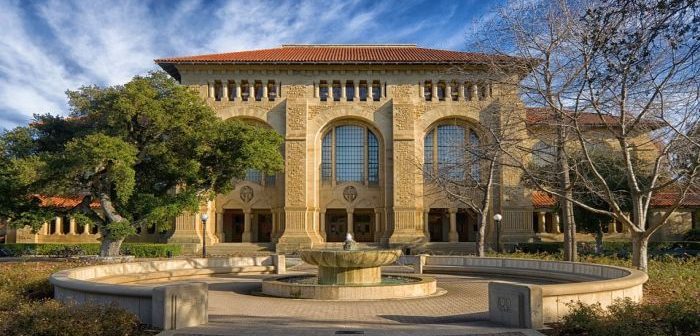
351 258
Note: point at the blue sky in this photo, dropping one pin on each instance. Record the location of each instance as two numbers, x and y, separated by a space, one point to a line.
47 47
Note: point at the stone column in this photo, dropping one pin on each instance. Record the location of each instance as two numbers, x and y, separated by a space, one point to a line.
426 224
86 229
59 225
317 90
265 94
474 92
44 229
246 226
350 229
435 90
330 91
220 226
224 90
343 94
212 87
378 233
612 227
237 86
322 223
421 89
251 90
541 221
370 97
448 91
71 226
460 91
453 236
555 223
356 83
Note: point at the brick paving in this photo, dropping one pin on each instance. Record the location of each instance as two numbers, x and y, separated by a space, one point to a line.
236 308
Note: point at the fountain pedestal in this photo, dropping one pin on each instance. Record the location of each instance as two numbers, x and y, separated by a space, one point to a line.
349 275
350 267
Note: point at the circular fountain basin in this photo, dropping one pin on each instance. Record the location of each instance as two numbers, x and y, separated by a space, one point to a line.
389 287
350 267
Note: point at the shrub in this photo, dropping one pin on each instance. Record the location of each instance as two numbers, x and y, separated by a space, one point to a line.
625 317
693 235
139 250
53 318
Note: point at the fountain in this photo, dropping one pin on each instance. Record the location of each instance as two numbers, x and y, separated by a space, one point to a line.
350 274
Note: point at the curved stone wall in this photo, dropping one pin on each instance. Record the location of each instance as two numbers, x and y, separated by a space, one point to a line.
587 283
113 284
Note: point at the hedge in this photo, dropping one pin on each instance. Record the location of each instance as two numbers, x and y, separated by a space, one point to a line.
139 250
611 247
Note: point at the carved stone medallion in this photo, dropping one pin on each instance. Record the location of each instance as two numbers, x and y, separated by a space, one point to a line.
247 194
350 193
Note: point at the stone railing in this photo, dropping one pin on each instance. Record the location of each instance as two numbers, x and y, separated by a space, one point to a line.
524 305
160 305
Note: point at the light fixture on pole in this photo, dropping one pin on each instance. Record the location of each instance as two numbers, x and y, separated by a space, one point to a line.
497 217
204 217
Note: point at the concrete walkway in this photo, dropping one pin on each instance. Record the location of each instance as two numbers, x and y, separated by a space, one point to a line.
236 309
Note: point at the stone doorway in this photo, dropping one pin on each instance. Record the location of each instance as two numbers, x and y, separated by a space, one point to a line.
233 226
264 226
438 225
467 225
336 225
363 225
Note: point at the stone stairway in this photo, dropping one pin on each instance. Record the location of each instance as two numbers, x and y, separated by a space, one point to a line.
237 249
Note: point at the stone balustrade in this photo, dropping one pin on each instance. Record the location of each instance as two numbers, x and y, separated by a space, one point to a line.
573 282
166 306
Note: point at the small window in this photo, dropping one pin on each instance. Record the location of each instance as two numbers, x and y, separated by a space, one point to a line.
376 91
271 90
218 91
455 91
231 90
337 88
483 91
441 90
350 90
428 90
258 90
323 90
245 90
364 93
468 91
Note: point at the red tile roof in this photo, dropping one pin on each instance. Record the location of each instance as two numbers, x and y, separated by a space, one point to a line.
337 54
670 198
542 199
543 116
68 202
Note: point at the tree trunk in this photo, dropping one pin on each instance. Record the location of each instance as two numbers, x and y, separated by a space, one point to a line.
640 243
110 247
481 236
599 239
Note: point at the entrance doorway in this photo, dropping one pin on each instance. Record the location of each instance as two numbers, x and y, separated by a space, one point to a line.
467 225
438 225
363 225
336 225
233 226
264 225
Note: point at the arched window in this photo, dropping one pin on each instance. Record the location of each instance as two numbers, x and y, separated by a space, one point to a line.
350 153
450 151
543 154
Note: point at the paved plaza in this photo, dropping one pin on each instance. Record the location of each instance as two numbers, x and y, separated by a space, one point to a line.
236 308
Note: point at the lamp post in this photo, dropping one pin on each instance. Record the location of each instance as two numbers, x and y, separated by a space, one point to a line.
497 217
204 217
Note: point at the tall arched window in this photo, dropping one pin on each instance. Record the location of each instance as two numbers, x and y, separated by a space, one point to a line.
450 151
544 154
350 153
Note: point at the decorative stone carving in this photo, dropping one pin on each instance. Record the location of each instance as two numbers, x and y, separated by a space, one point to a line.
295 91
296 175
350 193
295 117
247 194
405 173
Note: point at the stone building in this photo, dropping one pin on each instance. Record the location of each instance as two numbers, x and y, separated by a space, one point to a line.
359 122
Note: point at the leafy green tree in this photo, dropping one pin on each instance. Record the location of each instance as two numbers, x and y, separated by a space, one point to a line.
147 151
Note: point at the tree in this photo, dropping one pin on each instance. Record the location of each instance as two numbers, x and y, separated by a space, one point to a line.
147 150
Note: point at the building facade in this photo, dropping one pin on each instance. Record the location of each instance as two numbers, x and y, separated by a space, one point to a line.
361 123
